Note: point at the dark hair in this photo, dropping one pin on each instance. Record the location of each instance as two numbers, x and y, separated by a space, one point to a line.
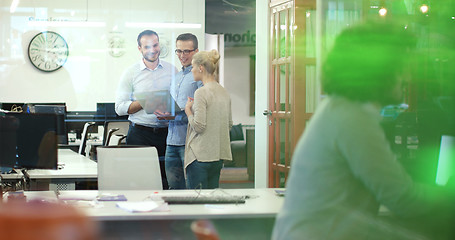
146 33
188 37
365 61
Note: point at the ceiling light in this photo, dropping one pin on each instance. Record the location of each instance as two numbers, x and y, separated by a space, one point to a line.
14 5
424 8
65 24
161 25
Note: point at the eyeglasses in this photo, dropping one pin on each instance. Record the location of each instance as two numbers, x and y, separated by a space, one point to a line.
186 51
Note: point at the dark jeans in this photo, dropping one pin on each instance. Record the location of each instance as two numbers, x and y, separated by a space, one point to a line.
156 137
174 159
205 175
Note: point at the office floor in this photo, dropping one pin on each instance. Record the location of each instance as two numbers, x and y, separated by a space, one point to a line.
235 177
231 178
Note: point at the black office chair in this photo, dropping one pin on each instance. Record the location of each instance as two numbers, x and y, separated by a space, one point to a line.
122 126
109 135
116 139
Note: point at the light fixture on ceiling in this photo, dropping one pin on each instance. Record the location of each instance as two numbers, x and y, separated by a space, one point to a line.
14 5
161 25
424 8
382 11
65 24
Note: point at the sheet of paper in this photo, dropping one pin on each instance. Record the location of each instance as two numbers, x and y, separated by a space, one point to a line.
143 206
78 195
111 197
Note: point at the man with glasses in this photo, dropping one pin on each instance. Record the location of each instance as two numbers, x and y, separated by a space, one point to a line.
185 86
148 75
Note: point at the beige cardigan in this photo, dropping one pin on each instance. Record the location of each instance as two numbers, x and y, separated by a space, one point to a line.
207 138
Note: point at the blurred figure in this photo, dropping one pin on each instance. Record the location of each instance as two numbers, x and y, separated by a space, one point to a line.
209 122
36 220
343 167
184 87
147 75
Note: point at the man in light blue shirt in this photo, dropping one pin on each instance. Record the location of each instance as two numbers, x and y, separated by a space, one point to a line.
186 47
149 74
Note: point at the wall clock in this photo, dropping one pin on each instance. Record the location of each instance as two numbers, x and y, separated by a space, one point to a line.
116 46
164 46
48 51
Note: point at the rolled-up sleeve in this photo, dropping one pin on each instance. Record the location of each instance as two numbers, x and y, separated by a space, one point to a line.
124 94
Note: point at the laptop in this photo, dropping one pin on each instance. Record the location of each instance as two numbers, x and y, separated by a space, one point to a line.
160 100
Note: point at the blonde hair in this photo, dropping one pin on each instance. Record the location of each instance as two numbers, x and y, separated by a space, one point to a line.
209 60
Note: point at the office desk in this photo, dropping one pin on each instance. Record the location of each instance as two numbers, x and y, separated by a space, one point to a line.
12 181
262 204
75 167
89 147
252 220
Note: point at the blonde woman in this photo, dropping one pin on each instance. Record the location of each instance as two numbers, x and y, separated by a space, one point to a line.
209 121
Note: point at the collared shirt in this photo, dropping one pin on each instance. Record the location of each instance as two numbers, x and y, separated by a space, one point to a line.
184 88
139 79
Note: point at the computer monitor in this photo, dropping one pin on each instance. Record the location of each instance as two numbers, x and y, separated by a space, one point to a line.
8 127
106 111
60 111
35 141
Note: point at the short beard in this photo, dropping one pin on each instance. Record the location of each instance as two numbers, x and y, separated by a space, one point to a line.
150 60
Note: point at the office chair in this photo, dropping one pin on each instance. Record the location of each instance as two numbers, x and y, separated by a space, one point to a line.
116 139
128 167
109 135
122 126
87 125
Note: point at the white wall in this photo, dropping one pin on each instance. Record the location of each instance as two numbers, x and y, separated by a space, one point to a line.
237 82
262 75
90 74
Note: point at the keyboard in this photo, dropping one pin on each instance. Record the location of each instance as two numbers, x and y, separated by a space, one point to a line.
204 199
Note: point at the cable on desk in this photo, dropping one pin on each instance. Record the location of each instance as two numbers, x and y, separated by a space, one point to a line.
16 108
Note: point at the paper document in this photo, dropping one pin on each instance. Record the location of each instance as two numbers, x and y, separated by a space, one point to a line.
78 195
111 197
143 206
161 101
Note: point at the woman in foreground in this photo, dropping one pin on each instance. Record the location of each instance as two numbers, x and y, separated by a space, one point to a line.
209 122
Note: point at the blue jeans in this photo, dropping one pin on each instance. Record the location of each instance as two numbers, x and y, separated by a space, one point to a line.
174 158
205 175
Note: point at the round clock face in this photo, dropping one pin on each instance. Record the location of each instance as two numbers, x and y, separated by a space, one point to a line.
48 51
116 46
164 47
